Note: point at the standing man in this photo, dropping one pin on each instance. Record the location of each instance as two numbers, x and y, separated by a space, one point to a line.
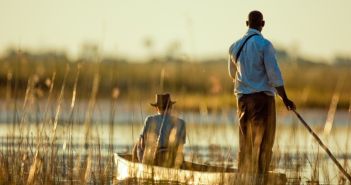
253 67
163 136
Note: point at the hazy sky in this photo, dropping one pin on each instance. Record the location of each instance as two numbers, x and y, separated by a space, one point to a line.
316 28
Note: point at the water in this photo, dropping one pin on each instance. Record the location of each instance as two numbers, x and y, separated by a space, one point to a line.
136 112
212 137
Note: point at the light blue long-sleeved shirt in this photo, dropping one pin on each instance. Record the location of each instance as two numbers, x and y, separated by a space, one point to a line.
172 134
256 69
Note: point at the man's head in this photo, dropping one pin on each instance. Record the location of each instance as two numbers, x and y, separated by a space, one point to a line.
163 103
255 20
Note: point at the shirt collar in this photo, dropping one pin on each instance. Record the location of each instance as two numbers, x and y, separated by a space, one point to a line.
164 113
253 31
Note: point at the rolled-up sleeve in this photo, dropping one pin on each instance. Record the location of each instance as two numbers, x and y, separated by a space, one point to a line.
270 62
181 132
183 136
141 144
231 65
231 68
145 129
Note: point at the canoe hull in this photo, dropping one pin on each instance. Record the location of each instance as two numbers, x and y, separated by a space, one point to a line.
127 170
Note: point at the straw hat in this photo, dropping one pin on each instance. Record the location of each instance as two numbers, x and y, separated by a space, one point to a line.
162 100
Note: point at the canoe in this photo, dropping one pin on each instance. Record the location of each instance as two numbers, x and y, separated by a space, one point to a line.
190 173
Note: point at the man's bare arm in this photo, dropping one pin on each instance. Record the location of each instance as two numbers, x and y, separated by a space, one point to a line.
288 103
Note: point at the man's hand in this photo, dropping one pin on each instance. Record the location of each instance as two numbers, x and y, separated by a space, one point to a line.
289 104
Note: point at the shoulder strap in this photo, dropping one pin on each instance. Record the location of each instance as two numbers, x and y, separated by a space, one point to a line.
241 47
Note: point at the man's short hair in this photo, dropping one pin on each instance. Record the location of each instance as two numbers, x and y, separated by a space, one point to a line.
255 18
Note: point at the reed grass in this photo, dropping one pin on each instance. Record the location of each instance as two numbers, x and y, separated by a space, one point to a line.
36 158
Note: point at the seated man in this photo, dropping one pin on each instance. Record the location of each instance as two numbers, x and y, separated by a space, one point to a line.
163 136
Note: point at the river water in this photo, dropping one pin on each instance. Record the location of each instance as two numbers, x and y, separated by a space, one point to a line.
211 136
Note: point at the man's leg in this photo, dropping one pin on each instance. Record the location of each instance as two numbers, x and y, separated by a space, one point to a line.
259 108
258 113
268 137
256 134
244 154
251 111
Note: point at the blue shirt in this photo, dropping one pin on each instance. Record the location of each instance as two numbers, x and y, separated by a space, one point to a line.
256 69
172 132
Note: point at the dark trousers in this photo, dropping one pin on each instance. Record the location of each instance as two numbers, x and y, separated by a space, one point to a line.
256 114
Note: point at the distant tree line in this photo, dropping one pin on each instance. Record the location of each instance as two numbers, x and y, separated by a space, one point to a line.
144 78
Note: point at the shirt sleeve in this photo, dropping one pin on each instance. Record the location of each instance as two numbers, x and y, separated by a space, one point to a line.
183 132
145 128
141 145
231 67
271 66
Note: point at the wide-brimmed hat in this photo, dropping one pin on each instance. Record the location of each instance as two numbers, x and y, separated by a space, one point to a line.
163 100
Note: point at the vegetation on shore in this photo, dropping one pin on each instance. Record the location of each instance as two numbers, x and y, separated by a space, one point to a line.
194 83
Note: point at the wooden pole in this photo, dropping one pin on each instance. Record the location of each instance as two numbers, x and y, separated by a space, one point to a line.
348 176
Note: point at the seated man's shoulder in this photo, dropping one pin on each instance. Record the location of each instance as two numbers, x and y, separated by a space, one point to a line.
180 121
150 117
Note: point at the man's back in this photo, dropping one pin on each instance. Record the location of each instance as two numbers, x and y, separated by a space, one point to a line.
257 69
172 133
162 135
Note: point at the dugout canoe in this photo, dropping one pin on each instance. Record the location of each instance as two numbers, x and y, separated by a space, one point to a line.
128 172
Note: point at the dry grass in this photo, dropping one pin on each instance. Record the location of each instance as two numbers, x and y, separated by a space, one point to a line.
35 156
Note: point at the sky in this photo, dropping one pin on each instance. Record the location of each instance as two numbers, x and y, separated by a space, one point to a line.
202 28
